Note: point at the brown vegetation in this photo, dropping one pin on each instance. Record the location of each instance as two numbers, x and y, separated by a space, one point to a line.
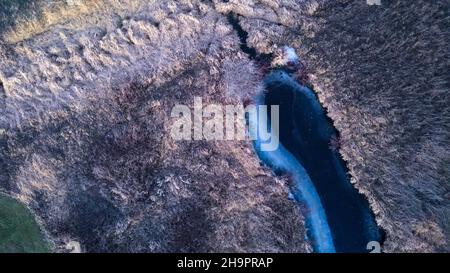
382 74
87 143
86 92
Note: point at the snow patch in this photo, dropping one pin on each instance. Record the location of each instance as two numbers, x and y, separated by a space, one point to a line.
286 57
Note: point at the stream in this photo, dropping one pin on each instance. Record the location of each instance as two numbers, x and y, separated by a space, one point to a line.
338 217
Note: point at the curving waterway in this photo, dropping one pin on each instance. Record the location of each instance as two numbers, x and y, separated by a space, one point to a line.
339 218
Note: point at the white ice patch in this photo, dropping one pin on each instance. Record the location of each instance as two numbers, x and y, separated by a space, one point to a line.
374 2
290 54
73 247
303 190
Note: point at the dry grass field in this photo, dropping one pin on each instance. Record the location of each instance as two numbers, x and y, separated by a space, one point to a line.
85 98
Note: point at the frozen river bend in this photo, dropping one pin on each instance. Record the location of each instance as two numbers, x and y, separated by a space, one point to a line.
338 216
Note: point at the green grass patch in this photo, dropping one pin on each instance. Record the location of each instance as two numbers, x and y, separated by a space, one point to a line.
19 231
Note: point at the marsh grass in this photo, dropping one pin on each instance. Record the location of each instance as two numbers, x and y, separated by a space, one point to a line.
23 19
26 18
10 10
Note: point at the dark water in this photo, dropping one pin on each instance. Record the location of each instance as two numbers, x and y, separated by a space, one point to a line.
306 132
